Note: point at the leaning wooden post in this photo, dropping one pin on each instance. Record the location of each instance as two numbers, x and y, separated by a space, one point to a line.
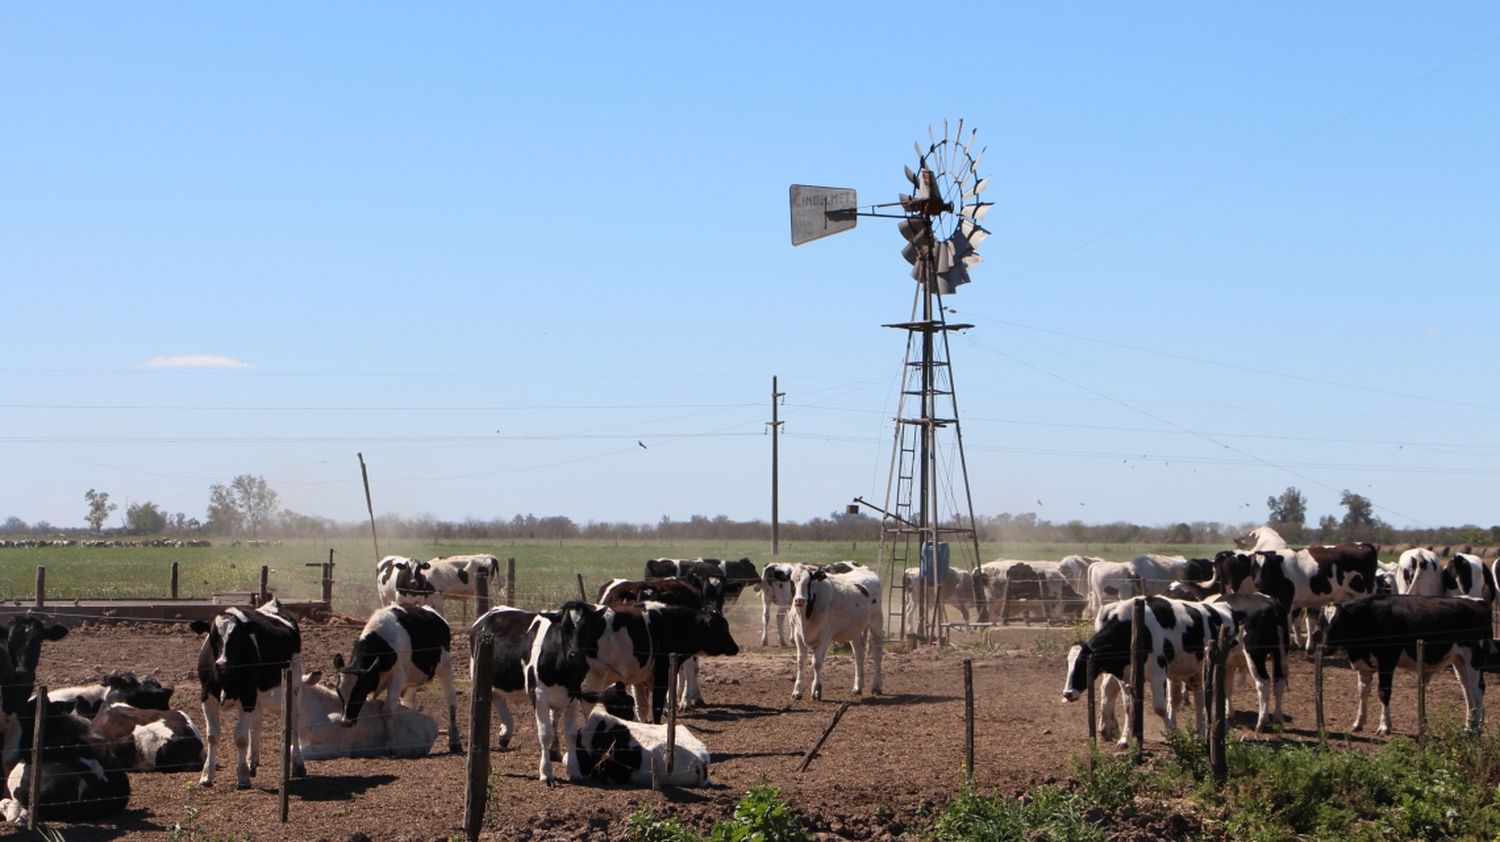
265 585
582 594
812 752
173 588
1221 710
36 756
1088 669
1421 692
369 506
1140 643
477 790
968 720
671 713
287 728
510 581
1318 693
41 585
481 593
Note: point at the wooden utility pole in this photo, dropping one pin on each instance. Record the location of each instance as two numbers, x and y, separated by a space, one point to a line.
369 506
775 469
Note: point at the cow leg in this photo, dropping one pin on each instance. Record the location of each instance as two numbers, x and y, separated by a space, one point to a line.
765 618
801 658
445 677
212 710
1256 665
781 625
507 725
1387 674
1472 681
1364 675
395 686
546 736
820 652
1116 692
1157 675
858 647
692 694
246 743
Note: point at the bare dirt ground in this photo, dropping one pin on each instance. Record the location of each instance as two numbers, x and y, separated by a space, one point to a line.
890 759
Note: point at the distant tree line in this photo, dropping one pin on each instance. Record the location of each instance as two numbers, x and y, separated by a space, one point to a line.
248 505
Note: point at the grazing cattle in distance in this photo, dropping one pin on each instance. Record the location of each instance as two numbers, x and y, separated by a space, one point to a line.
612 750
80 781
119 687
1011 582
433 581
244 652
322 735
1419 563
836 608
1380 633
23 636
1176 631
736 574
1317 576
148 740
401 648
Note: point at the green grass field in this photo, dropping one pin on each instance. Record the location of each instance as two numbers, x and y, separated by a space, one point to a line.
546 572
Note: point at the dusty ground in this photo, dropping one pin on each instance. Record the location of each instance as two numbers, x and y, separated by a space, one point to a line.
889 759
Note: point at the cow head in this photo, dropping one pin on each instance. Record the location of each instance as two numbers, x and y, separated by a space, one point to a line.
804 590
147 693
23 637
232 640
411 580
716 639
1077 680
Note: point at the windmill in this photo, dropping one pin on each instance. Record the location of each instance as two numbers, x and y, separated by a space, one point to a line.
940 219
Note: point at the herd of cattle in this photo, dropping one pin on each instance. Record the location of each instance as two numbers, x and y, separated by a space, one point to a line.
597 675
608 661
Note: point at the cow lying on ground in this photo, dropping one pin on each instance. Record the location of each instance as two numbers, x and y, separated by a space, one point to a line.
322 733
148 740
431 582
119 687
612 750
240 664
80 781
1176 631
1380 634
836 608
400 649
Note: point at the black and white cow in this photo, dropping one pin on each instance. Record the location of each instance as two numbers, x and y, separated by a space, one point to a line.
1380 633
1176 631
958 591
775 592
735 573
240 664
80 781
1262 633
1315 577
705 594
322 734
836 608
433 581
390 573
1467 575
612 750
23 636
1419 564
401 648
118 687
149 740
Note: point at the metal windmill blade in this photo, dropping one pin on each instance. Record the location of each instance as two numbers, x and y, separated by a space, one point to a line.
942 229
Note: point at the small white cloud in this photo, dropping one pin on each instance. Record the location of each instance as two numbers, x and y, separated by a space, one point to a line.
193 361
1433 331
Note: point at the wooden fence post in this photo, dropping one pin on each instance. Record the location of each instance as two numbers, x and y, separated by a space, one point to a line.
288 726
672 664
328 579
1140 643
41 585
510 581
1318 693
582 594
1216 754
477 787
1421 692
265 584
969 720
37 732
1089 670
173 588
1206 686
481 593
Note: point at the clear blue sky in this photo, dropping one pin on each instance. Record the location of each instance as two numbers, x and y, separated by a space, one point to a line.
494 246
